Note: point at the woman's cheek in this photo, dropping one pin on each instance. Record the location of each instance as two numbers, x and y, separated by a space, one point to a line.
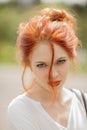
42 74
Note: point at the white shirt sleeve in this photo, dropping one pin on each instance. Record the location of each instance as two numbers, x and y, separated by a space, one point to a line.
20 119
11 126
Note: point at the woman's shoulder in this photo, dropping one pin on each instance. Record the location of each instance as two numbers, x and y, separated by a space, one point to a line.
21 113
80 97
21 102
22 107
17 101
15 107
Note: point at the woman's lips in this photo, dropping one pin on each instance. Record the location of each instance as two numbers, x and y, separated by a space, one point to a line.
55 83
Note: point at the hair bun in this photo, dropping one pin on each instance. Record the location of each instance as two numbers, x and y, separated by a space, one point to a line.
57 16
60 15
53 14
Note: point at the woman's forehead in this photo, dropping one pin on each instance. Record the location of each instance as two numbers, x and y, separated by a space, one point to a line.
43 52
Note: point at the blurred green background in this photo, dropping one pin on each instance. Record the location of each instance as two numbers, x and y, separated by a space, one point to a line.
13 13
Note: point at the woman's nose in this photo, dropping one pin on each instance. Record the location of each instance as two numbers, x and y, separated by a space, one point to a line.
54 73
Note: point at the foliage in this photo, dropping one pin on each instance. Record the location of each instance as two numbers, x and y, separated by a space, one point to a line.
82 20
7 54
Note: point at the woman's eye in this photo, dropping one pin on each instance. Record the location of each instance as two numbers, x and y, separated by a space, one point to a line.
61 61
41 65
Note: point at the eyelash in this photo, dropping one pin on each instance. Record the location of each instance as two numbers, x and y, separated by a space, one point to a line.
61 61
41 65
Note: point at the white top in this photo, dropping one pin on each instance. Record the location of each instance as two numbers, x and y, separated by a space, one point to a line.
25 113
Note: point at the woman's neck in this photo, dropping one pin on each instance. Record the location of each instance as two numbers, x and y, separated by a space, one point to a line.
43 95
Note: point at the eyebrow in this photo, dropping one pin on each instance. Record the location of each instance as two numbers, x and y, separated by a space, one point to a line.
39 62
62 58
56 60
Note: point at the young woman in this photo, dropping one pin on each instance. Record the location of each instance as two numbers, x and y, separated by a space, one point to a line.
47 45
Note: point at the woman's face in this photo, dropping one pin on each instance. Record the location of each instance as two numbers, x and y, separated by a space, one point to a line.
41 60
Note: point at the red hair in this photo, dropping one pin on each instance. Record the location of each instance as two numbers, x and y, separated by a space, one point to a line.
55 26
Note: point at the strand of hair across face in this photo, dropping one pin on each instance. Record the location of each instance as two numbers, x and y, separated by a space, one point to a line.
50 78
